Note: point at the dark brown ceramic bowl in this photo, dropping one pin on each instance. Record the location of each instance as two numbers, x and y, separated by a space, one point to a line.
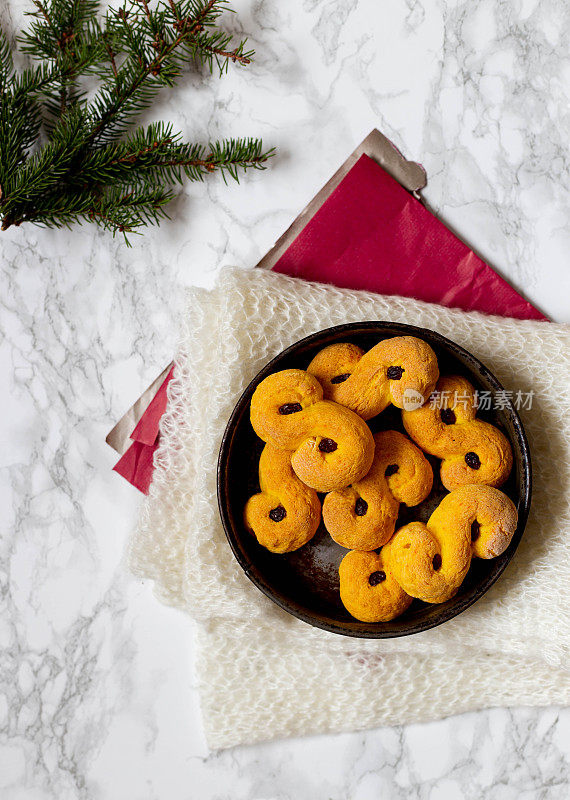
305 583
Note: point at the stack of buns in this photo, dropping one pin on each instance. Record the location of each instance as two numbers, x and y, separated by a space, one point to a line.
317 441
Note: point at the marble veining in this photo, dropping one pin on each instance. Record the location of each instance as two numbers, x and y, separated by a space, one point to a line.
95 699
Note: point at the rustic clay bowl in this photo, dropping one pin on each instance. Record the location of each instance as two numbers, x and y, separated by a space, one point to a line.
305 583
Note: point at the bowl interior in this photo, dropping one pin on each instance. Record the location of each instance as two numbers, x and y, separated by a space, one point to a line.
305 583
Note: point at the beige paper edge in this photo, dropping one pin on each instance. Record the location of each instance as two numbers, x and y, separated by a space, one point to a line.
120 437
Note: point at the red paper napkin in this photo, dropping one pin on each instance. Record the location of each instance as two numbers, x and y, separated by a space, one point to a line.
372 234
369 234
137 464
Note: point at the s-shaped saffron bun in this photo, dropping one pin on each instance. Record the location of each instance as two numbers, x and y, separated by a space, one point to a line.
330 446
472 451
399 370
285 514
368 589
363 516
430 561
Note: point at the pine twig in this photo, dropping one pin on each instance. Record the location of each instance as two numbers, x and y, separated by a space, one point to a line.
93 166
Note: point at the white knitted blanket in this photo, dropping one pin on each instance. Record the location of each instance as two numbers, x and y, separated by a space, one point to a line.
264 674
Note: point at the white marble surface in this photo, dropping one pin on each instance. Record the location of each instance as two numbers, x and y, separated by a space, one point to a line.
97 696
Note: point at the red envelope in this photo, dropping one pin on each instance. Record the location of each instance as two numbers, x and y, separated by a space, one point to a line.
369 234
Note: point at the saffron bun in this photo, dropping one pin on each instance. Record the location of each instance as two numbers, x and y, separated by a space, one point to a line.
430 561
330 446
285 514
472 451
363 516
392 371
368 589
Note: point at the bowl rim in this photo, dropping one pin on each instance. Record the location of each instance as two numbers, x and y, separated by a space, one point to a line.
320 620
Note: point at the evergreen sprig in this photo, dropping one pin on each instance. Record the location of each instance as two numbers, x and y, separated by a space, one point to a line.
65 157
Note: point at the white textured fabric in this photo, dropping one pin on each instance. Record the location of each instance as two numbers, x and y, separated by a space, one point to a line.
265 674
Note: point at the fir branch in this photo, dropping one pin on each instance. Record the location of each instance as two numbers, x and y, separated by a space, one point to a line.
57 26
120 209
66 33
92 167
20 119
159 43
42 169
123 209
158 153
6 63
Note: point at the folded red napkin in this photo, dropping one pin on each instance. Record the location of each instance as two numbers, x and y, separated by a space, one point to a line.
137 463
373 234
369 234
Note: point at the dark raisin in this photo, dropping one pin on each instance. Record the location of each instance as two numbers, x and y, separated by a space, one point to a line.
327 446
391 469
436 562
447 416
395 373
472 460
290 408
360 507
475 531
340 378
377 577
277 514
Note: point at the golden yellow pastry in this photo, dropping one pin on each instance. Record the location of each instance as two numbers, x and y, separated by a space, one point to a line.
368 589
363 516
472 451
430 561
285 514
331 446
399 370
